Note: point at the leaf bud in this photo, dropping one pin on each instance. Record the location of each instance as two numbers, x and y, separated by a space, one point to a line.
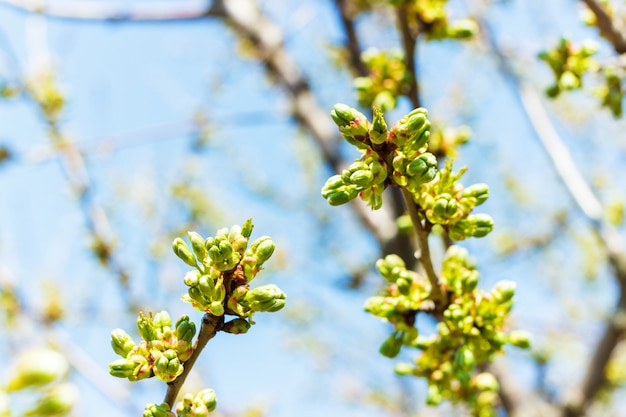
146 327
183 252
378 129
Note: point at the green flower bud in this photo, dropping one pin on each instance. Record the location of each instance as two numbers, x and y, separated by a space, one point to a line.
342 114
185 329
162 324
480 224
167 366
122 368
362 178
392 345
153 410
183 252
503 291
423 169
262 249
58 400
390 266
434 396
206 286
378 130
121 342
216 308
486 382
191 278
520 339
197 244
445 207
353 125
264 298
207 398
478 192
237 326
336 192
410 130
37 367
146 327
464 359
403 368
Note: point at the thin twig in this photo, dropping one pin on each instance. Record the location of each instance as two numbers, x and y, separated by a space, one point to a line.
208 329
352 45
409 44
605 24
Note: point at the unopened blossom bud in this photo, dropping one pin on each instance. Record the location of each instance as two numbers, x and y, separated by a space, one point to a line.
464 359
423 169
380 306
503 291
268 298
403 368
37 367
185 329
121 342
478 192
236 326
162 324
378 129
56 401
246 228
262 249
336 192
183 252
167 366
434 396
520 339
411 130
191 278
197 244
485 381
342 114
445 208
122 368
207 398
153 410
146 327
206 286
480 224
390 266
353 125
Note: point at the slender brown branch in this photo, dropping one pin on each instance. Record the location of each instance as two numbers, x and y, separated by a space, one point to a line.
210 326
352 44
605 24
409 44
424 254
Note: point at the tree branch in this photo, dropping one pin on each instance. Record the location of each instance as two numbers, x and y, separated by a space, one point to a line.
565 167
210 326
606 26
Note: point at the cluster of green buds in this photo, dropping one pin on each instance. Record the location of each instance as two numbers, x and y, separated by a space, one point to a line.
612 92
389 156
446 202
43 371
162 352
432 17
224 265
199 405
471 331
388 79
569 63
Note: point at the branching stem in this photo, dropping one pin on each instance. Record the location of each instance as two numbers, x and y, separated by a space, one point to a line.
210 326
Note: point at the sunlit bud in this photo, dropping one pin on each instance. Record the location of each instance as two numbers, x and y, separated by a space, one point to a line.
58 400
162 324
121 342
246 228
236 326
206 286
216 308
268 298
479 192
403 368
378 129
392 345
445 207
410 129
503 291
434 396
424 168
37 367
185 329
262 249
153 410
353 125
481 224
486 382
191 278
362 178
183 252
167 366
197 245
207 398
146 327
342 114
122 368
520 338
462 29
336 192
464 359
